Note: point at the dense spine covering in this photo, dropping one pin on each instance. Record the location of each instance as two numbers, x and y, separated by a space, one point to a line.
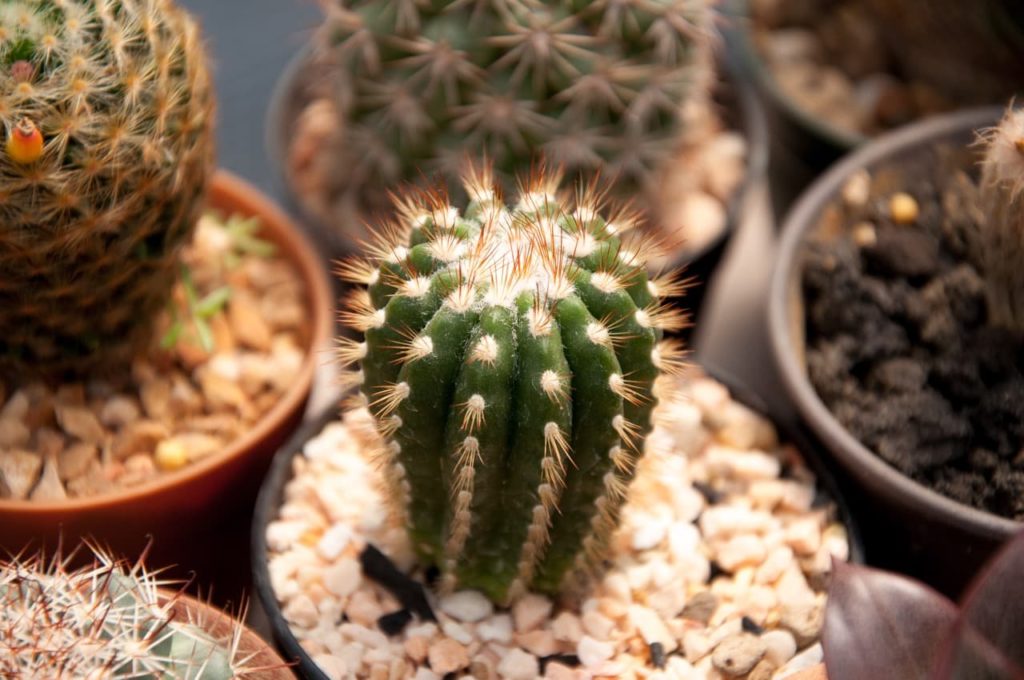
108 112
108 620
1000 239
606 87
509 358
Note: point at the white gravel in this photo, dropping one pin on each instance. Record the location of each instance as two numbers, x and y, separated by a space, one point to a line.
715 572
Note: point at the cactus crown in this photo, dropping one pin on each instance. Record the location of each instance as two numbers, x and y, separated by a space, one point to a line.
106 620
1000 238
509 359
589 85
107 109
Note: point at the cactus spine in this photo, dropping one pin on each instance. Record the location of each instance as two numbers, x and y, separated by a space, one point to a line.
1000 239
509 356
104 621
107 113
610 87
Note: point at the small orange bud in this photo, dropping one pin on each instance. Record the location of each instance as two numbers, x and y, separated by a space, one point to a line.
25 142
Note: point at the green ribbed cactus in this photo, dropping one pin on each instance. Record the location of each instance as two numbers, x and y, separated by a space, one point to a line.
609 87
104 621
107 111
509 358
1000 237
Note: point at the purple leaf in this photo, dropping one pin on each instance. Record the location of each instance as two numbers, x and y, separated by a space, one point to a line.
988 639
881 625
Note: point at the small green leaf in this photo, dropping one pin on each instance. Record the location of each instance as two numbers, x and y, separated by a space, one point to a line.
170 338
204 333
213 302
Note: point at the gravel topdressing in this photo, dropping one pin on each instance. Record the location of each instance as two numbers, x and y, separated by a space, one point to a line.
717 571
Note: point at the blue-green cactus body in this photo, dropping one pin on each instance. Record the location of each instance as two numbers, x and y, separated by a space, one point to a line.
509 360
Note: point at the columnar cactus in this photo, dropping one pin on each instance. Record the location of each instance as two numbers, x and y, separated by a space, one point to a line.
592 86
105 621
107 110
1000 239
509 356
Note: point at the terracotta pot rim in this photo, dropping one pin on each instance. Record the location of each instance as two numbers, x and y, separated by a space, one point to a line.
311 270
877 475
213 617
750 122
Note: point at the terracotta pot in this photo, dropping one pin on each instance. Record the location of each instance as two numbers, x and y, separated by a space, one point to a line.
907 526
258 652
734 100
272 496
197 518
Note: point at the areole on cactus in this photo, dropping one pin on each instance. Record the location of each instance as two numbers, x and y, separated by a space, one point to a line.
509 358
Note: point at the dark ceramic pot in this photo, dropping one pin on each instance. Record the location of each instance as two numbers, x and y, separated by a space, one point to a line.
907 527
272 495
737 103
802 145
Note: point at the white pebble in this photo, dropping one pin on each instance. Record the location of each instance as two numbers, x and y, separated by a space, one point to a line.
725 520
780 646
424 673
567 627
282 534
649 535
333 667
529 611
598 625
651 628
745 465
497 628
467 605
518 665
774 565
593 653
334 541
343 578
740 550
457 632
301 611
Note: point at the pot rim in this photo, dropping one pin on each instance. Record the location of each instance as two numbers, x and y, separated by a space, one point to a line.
750 62
871 470
304 257
751 123
272 493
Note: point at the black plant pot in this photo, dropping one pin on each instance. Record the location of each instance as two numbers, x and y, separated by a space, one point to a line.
737 103
272 494
907 527
802 146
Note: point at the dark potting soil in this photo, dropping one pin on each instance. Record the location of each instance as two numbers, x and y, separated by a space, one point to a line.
898 345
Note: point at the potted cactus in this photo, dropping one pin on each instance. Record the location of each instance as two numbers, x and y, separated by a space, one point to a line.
895 323
115 620
134 331
386 97
509 378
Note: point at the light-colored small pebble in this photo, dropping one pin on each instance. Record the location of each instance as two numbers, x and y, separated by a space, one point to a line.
737 655
857 189
334 541
811 656
518 665
19 472
80 422
742 550
467 606
333 667
497 628
780 646
592 653
651 628
447 656
903 208
343 578
529 611
539 642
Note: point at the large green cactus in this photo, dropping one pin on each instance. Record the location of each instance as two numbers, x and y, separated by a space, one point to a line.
609 87
509 359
